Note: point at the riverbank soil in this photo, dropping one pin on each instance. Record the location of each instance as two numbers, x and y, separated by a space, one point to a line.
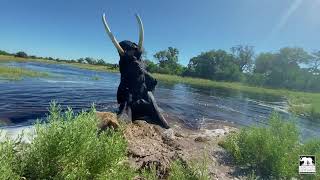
150 146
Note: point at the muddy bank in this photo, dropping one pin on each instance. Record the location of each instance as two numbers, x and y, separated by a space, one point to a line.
152 146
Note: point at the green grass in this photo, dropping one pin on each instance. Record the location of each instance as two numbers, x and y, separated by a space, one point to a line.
271 152
68 146
180 170
6 59
300 103
93 67
17 73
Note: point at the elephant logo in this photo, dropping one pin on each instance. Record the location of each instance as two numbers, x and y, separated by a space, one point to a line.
307 165
306 161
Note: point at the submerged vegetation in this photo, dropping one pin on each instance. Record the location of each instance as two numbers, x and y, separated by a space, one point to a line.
17 73
69 147
271 152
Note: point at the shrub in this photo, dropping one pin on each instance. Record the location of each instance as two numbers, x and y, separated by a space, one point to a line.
256 79
21 54
180 170
8 161
67 147
101 62
271 151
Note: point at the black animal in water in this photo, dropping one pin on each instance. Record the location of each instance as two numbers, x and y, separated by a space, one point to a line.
136 84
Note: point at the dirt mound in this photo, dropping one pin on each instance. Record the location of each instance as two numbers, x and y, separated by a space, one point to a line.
152 146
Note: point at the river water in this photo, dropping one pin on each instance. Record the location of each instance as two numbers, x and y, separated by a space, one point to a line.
22 102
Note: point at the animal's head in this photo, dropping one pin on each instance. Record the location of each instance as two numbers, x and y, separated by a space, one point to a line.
127 48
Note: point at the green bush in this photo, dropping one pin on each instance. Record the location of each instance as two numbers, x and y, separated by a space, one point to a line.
67 147
8 161
180 170
21 54
271 151
256 79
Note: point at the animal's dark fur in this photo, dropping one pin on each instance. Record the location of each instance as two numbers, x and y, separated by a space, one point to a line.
135 84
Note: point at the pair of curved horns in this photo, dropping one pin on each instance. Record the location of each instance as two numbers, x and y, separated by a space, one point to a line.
114 40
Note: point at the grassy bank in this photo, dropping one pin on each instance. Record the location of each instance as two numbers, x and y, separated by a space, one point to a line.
93 67
300 103
16 73
5 58
272 152
69 147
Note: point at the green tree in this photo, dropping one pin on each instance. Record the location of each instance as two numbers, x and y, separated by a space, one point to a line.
294 55
264 63
167 57
101 62
90 60
286 71
80 60
21 54
282 69
4 53
215 65
168 61
315 61
244 56
151 66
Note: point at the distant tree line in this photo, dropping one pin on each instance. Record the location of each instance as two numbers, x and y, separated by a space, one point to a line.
86 60
5 53
290 67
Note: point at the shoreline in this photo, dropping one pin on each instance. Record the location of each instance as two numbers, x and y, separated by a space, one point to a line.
13 130
305 104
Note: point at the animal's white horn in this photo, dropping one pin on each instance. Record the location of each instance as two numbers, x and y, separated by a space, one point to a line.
141 32
111 36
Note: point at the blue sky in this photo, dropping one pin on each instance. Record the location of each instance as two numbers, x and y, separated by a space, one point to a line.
73 28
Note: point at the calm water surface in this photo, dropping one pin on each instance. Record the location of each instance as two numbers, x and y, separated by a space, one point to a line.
21 102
